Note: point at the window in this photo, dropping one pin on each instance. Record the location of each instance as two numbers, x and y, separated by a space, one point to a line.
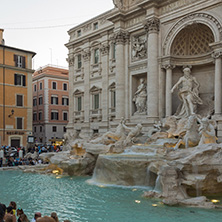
40 85
35 88
113 99
19 61
40 129
95 25
79 33
34 116
54 100
19 122
40 115
65 116
19 100
96 101
79 61
34 102
79 103
54 85
64 129
34 129
20 80
65 86
54 115
40 100
114 50
54 129
65 101
96 56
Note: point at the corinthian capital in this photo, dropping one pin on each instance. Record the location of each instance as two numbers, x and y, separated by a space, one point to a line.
121 37
104 49
152 25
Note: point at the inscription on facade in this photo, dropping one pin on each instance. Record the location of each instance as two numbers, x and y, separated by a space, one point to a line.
134 21
175 5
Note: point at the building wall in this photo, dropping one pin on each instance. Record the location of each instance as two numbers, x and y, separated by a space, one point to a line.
8 69
46 76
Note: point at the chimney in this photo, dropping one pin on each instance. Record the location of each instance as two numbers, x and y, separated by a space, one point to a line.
2 41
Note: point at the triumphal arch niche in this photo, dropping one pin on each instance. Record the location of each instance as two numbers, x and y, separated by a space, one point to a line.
194 42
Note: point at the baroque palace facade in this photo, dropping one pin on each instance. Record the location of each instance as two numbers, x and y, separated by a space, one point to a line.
124 63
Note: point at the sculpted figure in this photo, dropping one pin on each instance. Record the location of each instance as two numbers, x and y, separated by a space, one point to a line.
133 133
207 131
191 137
156 128
188 94
140 97
139 49
119 134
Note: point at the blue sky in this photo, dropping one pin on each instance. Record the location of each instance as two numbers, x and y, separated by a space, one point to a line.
27 23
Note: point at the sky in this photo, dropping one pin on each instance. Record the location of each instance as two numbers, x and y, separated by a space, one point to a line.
41 25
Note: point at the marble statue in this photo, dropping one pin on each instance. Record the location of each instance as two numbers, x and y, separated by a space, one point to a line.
133 133
191 137
188 94
140 98
207 131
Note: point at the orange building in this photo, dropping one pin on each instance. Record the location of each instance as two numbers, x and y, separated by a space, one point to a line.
15 94
50 104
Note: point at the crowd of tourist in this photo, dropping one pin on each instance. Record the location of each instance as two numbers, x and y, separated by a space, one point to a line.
12 214
17 156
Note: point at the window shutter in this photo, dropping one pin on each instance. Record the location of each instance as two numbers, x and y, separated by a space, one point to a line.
67 102
51 115
15 79
24 81
16 60
63 101
57 100
23 62
57 116
51 100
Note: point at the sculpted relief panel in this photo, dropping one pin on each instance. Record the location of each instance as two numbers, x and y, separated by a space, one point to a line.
139 47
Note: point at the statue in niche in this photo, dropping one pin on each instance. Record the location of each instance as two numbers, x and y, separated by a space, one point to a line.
139 48
140 98
188 94
207 131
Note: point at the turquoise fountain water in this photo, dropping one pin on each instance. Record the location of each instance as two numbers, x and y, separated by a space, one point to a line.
75 199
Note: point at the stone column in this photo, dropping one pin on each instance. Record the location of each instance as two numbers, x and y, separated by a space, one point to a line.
168 103
70 60
105 81
121 38
86 58
217 55
152 28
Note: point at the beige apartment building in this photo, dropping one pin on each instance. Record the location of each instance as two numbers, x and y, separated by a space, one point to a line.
124 63
50 87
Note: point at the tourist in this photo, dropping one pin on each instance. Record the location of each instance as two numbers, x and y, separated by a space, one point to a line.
2 212
54 216
14 206
45 219
9 213
19 213
24 218
36 216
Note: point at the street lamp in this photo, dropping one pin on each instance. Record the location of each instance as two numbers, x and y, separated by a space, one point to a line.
12 113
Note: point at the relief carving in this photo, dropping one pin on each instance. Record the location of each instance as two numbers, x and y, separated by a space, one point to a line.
152 25
139 47
121 37
86 55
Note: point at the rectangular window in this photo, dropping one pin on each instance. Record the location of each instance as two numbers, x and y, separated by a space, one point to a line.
20 80
40 85
40 129
96 56
64 129
34 129
34 102
65 101
54 129
114 51
96 101
40 101
40 115
19 100
34 116
113 99
65 86
95 25
54 100
19 122
35 88
79 61
19 61
54 115
79 33
79 103
54 85
65 116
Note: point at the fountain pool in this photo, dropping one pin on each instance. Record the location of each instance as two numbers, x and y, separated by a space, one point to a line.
75 199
